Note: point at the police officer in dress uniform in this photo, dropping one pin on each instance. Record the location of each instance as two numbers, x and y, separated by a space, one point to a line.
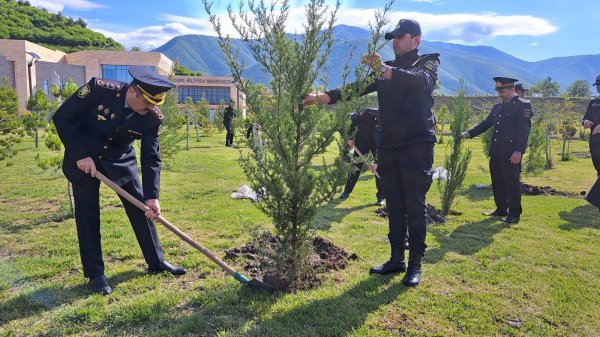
511 120
228 116
591 120
98 125
405 138
363 127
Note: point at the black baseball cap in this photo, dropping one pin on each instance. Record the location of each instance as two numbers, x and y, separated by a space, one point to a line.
597 80
404 26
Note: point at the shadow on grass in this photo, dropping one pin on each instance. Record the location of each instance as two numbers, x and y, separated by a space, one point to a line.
246 313
39 299
467 239
586 216
477 194
12 228
329 213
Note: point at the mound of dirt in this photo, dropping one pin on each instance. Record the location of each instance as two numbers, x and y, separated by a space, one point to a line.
324 257
433 215
544 190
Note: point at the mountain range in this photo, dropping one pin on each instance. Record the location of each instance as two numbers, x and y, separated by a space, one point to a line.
474 65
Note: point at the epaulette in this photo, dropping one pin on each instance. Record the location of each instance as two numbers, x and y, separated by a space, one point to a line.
523 100
429 61
157 113
109 84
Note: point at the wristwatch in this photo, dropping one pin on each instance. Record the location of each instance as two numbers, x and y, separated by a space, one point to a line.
383 68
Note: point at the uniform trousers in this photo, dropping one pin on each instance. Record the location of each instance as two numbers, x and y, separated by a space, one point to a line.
87 217
406 176
506 184
595 151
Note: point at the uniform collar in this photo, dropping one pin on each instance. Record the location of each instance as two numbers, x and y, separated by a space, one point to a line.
407 59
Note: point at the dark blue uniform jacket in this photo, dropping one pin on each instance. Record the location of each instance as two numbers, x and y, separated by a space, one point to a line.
593 111
405 101
94 122
511 122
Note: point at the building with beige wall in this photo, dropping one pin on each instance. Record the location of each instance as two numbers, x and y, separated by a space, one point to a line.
30 67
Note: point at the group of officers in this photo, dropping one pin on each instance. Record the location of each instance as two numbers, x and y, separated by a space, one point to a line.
100 122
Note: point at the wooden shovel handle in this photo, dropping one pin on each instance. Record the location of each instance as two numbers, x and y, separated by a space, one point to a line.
361 155
167 224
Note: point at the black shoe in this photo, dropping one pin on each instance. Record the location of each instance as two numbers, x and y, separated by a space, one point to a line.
344 195
380 202
413 272
511 219
389 268
496 213
99 285
166 266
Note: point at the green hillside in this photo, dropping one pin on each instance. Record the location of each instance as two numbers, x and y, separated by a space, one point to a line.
20 21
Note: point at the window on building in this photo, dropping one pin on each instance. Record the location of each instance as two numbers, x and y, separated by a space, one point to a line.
46 87
118 72
214 95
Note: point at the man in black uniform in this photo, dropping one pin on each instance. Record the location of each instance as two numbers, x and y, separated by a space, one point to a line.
405 138
591 120
228 116
520 90
363 128
511 120
98 125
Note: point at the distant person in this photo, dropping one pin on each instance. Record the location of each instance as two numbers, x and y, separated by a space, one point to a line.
405 141
591 120
521 90
363 127
98 125
511 122
228 116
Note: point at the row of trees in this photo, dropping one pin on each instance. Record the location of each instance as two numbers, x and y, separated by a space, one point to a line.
550 88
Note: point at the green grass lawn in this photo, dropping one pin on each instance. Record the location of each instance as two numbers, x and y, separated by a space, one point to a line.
482 277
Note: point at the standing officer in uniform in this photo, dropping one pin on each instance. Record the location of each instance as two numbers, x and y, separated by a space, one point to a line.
364 124
591 120
405 138
520 90
228 116
511 120
98 125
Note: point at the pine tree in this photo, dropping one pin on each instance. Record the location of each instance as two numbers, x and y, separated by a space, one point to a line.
170 135
289 162
10 131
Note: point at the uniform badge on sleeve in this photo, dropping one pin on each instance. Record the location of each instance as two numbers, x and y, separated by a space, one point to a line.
527 113
101 118
432 66
83 91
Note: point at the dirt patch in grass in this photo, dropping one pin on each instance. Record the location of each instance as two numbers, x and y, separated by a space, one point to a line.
323 258
433 215
544 190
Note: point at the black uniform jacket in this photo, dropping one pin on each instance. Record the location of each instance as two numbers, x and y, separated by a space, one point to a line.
363 125
511 122
593 111
405 100
94 122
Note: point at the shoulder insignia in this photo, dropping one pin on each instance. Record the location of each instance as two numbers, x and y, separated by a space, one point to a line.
431 66
527 113
157 113
109 84
83 91
523 100
429 61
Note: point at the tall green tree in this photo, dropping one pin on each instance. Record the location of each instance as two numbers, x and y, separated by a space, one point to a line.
442 115
170 134
290 163
547 87
39 106
457 161
10 131
579 88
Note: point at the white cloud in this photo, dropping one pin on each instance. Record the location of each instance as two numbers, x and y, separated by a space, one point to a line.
457 28
533 44
56 6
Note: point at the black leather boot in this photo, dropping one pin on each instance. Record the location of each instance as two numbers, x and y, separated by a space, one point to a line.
99 285
413 273
166 266
396 263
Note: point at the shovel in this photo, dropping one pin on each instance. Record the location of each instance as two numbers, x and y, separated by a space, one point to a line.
252 283
361 155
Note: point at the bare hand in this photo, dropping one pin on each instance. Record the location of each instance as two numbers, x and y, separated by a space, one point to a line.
311 99
596 129
373 61
350 143
373 168
587 124
87 165
154 210
515 158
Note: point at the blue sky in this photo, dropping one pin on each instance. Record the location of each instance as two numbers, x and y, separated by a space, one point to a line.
528 29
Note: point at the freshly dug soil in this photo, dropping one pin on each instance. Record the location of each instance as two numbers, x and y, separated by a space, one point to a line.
544 190
324 257
433 215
